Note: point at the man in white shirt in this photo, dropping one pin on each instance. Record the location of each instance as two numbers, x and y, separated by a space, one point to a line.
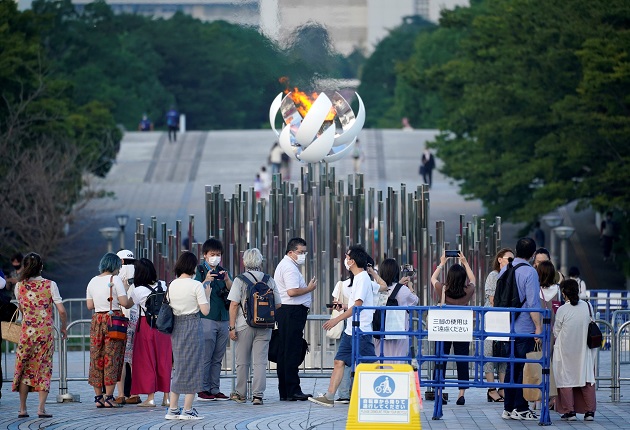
291 318
361 294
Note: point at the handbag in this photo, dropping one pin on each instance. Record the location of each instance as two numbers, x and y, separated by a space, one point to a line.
12 330
594 334
335 332
500 348
116 325
532 374
166 320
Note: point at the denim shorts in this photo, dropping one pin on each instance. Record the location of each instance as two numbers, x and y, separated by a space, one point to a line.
366 348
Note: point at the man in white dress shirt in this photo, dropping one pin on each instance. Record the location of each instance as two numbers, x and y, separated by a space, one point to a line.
291 318
361 294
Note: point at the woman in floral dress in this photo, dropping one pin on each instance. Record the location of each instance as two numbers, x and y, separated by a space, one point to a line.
33 361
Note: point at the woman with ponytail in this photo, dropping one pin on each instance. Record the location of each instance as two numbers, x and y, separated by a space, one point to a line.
34 355
573 361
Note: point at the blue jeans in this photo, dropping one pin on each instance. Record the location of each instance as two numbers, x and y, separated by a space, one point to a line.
514 396
215 339
344 353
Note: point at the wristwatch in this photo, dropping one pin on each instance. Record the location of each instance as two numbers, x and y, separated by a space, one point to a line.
231 328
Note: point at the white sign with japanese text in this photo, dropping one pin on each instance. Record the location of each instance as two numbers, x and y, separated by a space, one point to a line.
384 397
498 322
451 325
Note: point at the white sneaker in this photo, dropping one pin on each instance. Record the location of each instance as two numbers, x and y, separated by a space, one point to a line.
527 415
173 414
506 415
190 415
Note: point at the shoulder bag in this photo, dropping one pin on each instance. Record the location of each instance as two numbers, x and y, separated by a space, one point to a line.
116 325
594 334
166 319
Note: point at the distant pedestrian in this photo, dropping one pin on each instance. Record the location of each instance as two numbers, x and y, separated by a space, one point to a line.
405 124
607 231
275 158
266 182
258 186
426 167
574 273
539 235
357 156
285 167
172 122
145 124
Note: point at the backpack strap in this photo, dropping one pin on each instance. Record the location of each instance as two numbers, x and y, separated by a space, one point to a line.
395 291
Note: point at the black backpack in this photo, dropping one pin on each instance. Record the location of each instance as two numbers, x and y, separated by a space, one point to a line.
506 293
153 304
260 303
378 318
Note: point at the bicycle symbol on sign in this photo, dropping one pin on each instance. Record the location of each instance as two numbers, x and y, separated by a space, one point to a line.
383 386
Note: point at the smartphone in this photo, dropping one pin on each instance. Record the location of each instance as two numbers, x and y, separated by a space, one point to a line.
333 305
219 275
452 253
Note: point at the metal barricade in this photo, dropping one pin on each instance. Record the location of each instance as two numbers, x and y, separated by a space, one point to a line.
439 357
620 341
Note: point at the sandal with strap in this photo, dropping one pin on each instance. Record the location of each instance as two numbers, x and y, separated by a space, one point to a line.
110 402
492 399
99 401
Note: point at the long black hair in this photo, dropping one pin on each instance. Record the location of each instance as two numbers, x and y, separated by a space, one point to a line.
571 290
456 282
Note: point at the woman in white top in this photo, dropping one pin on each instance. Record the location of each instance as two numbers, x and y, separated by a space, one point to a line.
573 361
187 298
106 355
395 345
152 350
574 273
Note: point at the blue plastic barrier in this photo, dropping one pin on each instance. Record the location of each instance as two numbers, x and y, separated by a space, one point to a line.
439 358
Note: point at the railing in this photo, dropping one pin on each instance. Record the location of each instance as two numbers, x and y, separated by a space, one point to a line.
607 303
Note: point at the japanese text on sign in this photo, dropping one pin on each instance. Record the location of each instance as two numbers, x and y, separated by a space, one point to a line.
450 325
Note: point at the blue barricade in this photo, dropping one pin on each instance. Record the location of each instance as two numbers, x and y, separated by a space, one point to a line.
418 314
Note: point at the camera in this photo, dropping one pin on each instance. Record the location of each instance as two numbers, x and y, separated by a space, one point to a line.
407 270
451 253
219 276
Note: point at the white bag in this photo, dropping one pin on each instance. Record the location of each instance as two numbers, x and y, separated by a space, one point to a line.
395 321
335 332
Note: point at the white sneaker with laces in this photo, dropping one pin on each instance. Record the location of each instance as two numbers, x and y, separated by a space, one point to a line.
190 415
173 414
527 415
506 415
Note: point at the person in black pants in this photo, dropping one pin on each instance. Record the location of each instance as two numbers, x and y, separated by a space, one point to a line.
291 318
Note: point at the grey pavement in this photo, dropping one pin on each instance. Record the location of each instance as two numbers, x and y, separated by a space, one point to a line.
274 414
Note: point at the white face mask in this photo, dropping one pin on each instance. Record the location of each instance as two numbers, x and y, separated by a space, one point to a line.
213 261
345 263
301 259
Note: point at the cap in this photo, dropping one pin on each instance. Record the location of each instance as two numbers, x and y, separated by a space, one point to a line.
125 254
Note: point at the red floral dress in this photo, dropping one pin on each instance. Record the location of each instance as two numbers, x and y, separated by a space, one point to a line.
33 361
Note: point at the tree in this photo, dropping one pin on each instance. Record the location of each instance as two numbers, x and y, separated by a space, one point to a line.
530 122
48 143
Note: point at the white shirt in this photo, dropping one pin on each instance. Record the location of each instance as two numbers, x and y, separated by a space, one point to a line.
185 295
140 293
239 288
98 290
54 290
341 292
362 290
287 277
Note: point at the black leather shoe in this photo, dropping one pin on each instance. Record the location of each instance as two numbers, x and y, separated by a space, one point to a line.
283 399
299 396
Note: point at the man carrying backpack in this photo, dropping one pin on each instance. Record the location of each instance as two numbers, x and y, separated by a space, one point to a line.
528 286
215 324
254 298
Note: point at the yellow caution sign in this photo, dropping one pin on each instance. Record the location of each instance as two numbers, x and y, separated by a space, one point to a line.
385 395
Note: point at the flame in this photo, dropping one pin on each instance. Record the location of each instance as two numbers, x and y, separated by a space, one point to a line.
304 101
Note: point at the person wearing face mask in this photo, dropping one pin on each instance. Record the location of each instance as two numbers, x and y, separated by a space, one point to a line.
14 274
215 325
291 318
361 294
126 274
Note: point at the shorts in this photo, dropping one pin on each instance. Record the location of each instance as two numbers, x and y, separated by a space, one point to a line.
366 348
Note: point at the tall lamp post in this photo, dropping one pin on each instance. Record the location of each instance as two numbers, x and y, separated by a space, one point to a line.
564 233
122 222
552 221
109 233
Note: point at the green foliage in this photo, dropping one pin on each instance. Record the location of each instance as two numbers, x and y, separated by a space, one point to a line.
535 103
379 79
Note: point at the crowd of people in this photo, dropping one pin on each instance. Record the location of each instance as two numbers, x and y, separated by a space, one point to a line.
209 307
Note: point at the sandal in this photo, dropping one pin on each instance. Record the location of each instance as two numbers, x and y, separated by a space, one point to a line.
99 401
44 415
491 398
110 402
